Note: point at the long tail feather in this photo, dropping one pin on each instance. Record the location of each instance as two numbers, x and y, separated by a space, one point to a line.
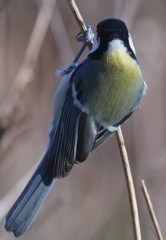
24 210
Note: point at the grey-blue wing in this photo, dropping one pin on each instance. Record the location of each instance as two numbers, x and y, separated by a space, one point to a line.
71 140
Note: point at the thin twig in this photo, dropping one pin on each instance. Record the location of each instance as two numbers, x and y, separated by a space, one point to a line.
129 180
151 211
79 19
130 185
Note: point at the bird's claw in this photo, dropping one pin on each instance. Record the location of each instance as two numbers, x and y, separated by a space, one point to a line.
89 35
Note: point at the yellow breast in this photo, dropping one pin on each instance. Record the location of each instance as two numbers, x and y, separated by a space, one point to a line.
123 65
118 86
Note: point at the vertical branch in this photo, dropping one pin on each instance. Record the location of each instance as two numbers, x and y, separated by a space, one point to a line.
130 185
151 211
79 19
119 135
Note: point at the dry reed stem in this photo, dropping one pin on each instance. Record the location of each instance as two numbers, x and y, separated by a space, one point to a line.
151 211
11 101
119 135
79 19
130 185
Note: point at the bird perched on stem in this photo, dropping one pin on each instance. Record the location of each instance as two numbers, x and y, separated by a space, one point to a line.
92 101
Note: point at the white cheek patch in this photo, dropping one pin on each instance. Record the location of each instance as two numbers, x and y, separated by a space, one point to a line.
95 44
131 44
116 44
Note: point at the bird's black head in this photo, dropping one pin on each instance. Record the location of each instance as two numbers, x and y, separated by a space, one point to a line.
107 31
110 29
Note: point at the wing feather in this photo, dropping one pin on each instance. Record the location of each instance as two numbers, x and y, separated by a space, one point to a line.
104 134
72 140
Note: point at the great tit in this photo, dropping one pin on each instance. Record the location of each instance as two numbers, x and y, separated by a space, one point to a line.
91 102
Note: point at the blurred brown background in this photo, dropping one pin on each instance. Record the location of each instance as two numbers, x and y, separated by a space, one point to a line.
92 202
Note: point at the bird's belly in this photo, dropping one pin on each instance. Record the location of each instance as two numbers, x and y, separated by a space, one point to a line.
118 98
115 87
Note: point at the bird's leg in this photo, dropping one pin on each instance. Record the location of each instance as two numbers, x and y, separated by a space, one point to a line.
89 35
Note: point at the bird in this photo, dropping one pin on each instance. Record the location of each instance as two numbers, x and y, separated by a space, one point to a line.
91 102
